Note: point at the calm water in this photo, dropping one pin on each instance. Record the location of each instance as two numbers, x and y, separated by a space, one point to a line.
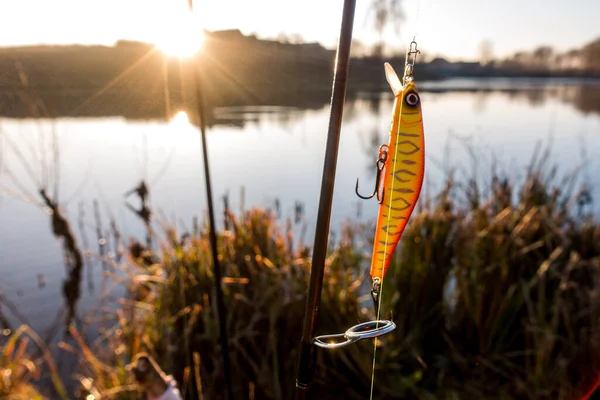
273 153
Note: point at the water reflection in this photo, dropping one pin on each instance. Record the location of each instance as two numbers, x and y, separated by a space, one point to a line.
273 155
86 245
144 212
72 254
480 102
583 94
40 163
585 99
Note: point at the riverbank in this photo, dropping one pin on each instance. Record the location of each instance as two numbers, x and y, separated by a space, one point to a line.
494 292
137 81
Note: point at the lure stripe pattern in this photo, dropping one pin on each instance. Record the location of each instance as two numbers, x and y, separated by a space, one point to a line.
402 174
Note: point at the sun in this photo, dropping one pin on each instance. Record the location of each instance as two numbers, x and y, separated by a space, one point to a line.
181 34
180 119
181 46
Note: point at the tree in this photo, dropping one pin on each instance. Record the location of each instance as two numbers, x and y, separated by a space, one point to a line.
590 54
359 49
282 37
386 12
295 38
521 59
377 49
542 56
573 59
291 38
486 53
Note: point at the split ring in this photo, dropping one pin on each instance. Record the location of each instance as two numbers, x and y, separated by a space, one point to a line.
321 341
366 330
370 329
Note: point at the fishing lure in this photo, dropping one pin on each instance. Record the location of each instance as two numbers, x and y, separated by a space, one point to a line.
400 170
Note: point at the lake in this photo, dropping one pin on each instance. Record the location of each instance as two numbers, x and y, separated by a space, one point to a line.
273 153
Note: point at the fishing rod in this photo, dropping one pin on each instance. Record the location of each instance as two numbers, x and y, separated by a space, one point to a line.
221 311
307 358
400 170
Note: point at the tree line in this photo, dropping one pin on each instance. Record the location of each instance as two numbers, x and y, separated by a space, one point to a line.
544 57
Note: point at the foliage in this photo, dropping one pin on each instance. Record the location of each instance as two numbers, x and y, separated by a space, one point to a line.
19 367
494 293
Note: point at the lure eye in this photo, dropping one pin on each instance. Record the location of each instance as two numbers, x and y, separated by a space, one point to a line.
412 99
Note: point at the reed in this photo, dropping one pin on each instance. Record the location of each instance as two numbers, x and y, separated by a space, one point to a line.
495 292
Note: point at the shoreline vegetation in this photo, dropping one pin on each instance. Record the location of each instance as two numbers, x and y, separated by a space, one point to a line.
137 81
495 290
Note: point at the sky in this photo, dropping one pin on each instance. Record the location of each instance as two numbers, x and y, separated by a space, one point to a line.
453 28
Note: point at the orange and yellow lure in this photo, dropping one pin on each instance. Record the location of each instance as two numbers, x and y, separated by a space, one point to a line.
400 171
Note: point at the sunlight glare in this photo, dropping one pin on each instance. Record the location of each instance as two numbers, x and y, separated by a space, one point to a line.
181 35
181 118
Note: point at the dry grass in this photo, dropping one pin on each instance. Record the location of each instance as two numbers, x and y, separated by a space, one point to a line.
495 295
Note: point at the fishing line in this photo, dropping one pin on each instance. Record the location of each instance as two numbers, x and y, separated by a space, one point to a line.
385 258
417 19
388 218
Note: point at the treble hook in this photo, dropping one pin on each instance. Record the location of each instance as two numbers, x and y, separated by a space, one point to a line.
379 164
376 185
375 294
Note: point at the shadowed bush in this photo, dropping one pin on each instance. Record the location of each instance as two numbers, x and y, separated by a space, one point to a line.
495 298
498 298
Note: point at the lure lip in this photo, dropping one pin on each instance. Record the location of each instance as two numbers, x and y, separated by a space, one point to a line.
393 80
